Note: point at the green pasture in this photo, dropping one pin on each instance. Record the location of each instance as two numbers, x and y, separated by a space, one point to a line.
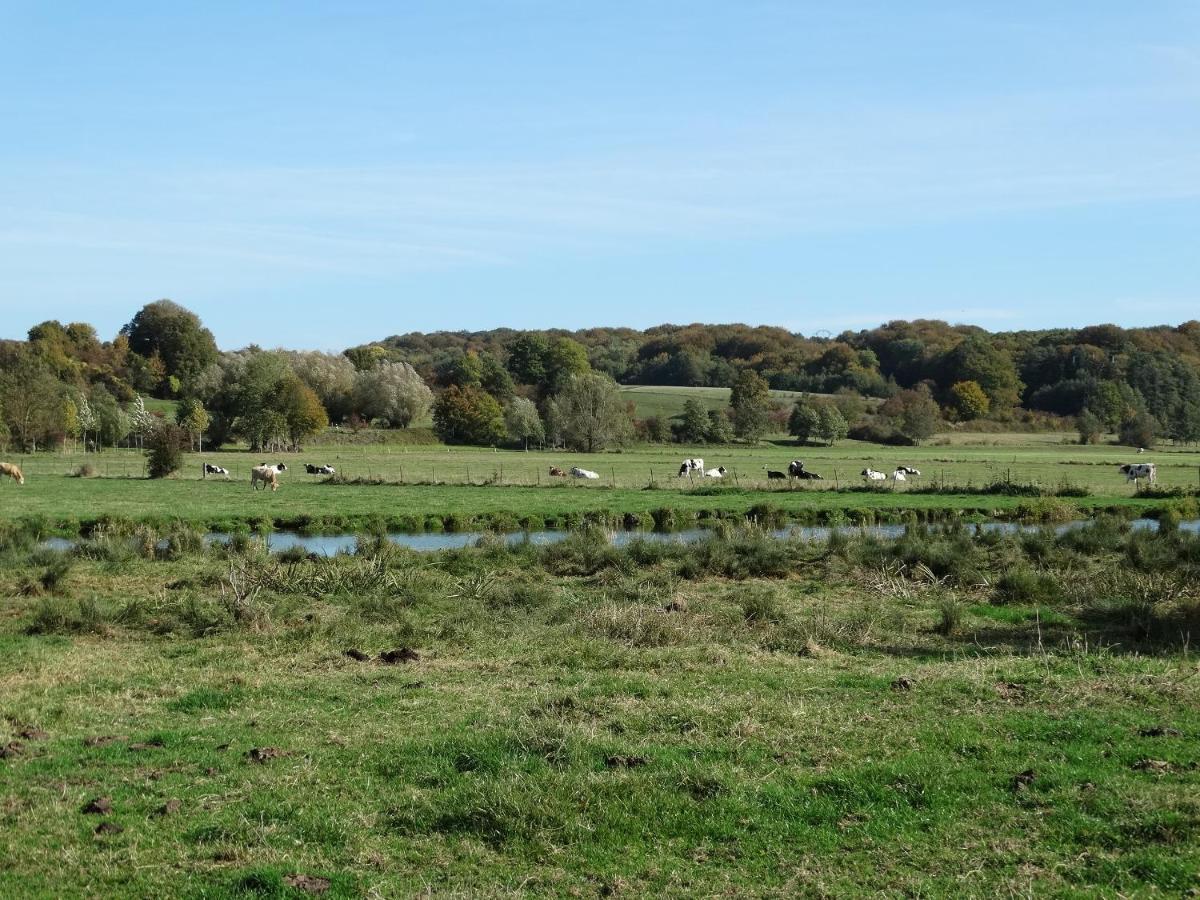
439 480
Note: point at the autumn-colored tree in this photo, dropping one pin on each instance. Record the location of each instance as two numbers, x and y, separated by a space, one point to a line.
468 415
302 411
969 400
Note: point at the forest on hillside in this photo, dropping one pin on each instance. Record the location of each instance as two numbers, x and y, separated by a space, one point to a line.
65 383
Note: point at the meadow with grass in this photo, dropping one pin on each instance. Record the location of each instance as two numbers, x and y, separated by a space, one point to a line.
948 714
431 486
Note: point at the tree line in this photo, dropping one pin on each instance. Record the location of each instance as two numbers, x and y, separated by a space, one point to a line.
64 385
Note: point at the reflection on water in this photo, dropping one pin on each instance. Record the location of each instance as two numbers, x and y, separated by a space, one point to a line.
332 544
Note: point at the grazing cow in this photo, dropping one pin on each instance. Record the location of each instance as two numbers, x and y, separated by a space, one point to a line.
1141 449
772 475
898 475
577 472
871 475
319 470
1137 471
718 472
909 470
268 475
556 472
806 475
688 466
13 471
209 469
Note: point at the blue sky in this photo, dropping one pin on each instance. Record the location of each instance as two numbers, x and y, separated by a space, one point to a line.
322 174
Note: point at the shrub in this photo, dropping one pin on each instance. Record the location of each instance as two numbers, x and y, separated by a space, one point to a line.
164 450
1025 586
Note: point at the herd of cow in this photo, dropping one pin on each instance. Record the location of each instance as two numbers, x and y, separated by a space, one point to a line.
265 473
268 475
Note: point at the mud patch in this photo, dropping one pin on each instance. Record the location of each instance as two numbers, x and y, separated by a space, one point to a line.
97 806
1023 781
1159 731
398 656
618 761
265 754
103 740
309 884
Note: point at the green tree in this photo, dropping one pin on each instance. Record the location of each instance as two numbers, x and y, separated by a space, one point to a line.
523 423
969 400
1139 430
804 422
527 357
592 414
693 422
31 400
832 425
393 392
468 415
655 430
566 359
720 431
977 359
1090 427
174 334
259 418
914 414
193 417
71 419
750 402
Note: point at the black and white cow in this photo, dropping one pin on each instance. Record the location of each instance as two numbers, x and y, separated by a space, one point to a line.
209 469
319 470
909 470
772 475
806 475
796 468
688 466
871 475
718 472
1138 471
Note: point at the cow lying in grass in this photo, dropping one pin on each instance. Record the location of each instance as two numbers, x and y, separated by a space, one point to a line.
209 469
319 470
583 473
13 471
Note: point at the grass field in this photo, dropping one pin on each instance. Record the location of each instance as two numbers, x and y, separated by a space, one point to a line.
468 482
946 716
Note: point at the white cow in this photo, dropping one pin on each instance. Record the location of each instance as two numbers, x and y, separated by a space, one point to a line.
898 475
1137 471
688 466
871 475
268 475
577 472
718 472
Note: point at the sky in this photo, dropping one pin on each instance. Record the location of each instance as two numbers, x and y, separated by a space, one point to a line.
319 175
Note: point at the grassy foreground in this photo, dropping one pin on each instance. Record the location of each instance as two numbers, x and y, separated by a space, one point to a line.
946 715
